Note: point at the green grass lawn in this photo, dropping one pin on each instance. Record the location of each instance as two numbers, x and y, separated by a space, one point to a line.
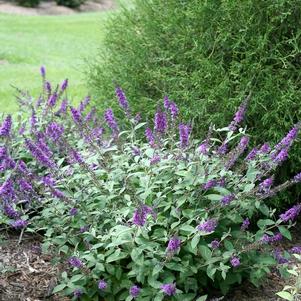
61 43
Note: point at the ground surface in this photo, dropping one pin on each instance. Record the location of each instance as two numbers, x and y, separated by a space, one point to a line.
61 43
28 275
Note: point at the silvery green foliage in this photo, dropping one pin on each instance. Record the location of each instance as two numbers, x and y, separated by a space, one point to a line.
149 220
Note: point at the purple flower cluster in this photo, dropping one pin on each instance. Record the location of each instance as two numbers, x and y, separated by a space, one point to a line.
227 199
222 149
235 261
297 178
174 244
171 107
252 154
215 244
83 104
184 131
160 122
278 256
64 85
210 184
245 224
10 211
265 148
6 127
102 285
7 190
75 262
54 131
265 186
155 159
271 239
135 291
111 121
168 289
73 211
122 99
239 115
295 250
43 71
52 100
19 224
204 148
208 226
150 136
140 215
287 141
39 154
77 293
291 214
76 115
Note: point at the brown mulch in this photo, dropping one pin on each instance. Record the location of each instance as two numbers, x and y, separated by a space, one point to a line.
28 275
51 8
25 273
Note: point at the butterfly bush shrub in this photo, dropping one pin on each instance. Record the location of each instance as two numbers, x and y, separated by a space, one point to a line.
159 216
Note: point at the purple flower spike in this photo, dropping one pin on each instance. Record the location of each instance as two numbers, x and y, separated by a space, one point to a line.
64 85
288 139
204 148
135 291
168 289
149 136
265 148
102 285
278 256
140 215
75 262
122 99
222 150
48 87
174 244
281 156
166 102
155 159
227 199
19 224
235 262
266 185
77 293
245 224
210 184
73 211
252 154
43 71
111 121
244 141
184 131
297 178
10 211
291 214
295 250
54 131
174 111
76 115
160 122
208 226
215 244
6 127
52 100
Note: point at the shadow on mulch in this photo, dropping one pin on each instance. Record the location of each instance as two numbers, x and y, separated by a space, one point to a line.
28 275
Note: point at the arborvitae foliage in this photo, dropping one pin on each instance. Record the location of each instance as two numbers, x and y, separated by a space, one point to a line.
207 55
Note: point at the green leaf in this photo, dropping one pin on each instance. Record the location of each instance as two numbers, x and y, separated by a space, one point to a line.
59 288
117 255
214 197
76 278
285 232
195 241
205 252
202 298
286 296
187 228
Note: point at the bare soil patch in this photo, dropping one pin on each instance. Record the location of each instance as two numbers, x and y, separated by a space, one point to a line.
51 8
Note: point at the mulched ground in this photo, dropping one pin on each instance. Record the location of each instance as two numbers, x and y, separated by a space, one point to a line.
25 273
28 275
49 7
